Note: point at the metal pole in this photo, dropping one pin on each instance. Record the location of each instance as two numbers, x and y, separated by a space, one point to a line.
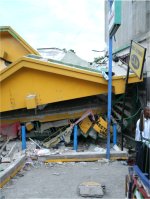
114 133
75 140
124 100
23 132
109 97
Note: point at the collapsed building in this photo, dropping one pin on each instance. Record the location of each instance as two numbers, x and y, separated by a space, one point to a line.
48 95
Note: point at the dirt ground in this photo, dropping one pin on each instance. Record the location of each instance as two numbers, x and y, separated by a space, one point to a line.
62 180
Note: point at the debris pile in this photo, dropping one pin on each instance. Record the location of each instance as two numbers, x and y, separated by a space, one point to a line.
88 127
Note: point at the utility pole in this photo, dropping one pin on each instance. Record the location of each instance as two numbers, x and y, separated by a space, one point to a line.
113 24
109 97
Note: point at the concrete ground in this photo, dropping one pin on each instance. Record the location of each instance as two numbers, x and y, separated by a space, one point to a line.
62 180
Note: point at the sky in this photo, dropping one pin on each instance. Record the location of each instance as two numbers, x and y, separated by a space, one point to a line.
77 25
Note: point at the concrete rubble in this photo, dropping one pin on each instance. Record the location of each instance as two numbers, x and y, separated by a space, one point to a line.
91 189
15 163
14 160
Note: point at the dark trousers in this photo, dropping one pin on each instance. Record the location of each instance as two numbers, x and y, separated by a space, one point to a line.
143 157
139 154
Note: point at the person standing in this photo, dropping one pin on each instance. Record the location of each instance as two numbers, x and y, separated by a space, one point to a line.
143 126
142 138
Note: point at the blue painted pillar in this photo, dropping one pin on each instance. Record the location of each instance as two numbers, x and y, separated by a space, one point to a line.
23 133
115 133
109 98
75 138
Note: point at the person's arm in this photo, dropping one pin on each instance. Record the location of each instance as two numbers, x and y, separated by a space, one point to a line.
137 132
146 133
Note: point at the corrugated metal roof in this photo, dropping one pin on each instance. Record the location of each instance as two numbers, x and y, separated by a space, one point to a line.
64 56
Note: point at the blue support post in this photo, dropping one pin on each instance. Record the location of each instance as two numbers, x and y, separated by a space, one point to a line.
109 93
115 134
23 133
75 138
109 98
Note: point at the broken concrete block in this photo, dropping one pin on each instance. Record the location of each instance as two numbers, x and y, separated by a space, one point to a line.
42 152
12 150
5 160
91 189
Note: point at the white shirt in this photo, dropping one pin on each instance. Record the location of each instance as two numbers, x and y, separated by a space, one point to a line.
145 133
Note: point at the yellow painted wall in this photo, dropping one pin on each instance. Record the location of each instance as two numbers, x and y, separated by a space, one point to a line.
48 87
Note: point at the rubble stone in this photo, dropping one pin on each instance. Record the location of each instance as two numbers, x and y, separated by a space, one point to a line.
91 189
6 160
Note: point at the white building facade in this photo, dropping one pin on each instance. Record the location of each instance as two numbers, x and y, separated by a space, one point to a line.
135 25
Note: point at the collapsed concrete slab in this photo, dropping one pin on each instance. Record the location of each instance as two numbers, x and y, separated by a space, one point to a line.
84 156
11 171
